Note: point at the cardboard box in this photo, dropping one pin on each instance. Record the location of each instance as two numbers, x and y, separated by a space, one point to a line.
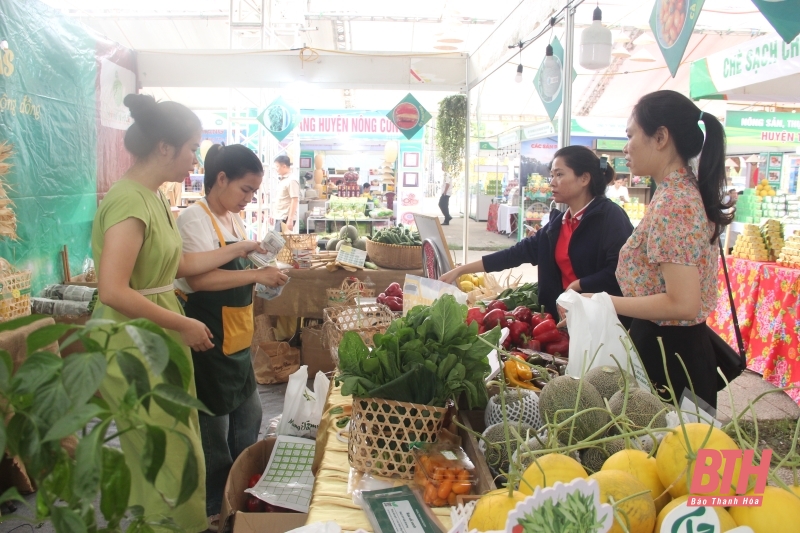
313 353
232 518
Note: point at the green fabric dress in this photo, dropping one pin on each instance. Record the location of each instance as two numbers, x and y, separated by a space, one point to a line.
156 266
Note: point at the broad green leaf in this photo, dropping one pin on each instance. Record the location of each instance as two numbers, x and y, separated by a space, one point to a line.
176 411
189 477
139 526
179 396
447 317
172 375
20 322
66 520
82 375
115 486
35 371
6 369
152 346
136 511
352 351
11 495
155 449
22 437
58 483
100 323
135 374
49 404
46 336
88 463
72 421
177 351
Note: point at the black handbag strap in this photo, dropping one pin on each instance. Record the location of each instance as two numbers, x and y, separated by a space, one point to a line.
735 318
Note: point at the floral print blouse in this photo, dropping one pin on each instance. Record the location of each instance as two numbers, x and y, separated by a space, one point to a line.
675 229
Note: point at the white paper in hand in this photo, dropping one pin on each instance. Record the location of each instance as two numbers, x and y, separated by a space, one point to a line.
595 329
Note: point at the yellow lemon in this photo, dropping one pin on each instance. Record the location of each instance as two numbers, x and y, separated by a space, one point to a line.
548 469
673 455
643 468
466 286
638 514
491 511
726 522
779 512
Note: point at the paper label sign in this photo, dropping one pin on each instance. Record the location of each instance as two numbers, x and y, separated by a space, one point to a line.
351 256
685 519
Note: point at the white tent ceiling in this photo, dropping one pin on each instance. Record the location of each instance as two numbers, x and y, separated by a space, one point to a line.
412 26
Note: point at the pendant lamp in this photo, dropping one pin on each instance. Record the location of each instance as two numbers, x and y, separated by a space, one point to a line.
643 56
551 75
596 44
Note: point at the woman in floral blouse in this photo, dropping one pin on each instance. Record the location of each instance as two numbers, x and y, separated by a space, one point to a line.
668 268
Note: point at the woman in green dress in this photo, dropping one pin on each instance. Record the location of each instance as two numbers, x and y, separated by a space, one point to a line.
137 247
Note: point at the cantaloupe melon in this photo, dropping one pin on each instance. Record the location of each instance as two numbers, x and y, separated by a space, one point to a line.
642 408
332 244
594 457
560 394
638 514
609 379
548 469
494 441
349 232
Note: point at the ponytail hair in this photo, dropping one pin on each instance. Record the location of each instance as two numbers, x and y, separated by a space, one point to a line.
155 122
681 117
234 160
584 161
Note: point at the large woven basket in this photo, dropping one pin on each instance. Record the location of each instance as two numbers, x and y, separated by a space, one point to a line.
394 255
15 292
382 430
302 241
364 319
351 289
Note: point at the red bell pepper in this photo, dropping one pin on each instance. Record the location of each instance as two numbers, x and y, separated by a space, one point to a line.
559 347
254 479
394 303
523 314
254 505
538 318
474 314
394 289
534 345
546 332
519 332
381 298
494 318
481 329
496 304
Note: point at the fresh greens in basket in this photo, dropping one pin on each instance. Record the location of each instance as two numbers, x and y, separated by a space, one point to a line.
428 357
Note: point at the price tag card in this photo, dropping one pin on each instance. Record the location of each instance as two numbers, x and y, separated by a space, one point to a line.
351 256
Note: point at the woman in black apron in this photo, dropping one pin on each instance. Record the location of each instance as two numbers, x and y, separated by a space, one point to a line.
223 301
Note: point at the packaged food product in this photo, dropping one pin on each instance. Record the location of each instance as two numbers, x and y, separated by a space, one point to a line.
443 472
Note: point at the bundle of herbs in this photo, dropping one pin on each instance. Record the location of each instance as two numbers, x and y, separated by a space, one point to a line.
428 357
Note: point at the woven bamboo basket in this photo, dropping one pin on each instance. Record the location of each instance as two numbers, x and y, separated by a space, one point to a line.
302 241
351 289
382 430
15 292
365 319
395 256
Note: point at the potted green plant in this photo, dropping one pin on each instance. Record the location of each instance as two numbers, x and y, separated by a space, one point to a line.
48 398
451 131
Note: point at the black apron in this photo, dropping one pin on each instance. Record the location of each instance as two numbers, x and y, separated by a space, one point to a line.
224 374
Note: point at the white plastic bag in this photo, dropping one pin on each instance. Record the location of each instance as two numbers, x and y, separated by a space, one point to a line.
302 409
594 328
423 291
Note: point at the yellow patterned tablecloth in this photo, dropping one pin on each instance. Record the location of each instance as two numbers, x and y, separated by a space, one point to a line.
330 500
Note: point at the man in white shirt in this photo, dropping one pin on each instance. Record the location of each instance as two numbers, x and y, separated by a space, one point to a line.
444 200
618 190
288 201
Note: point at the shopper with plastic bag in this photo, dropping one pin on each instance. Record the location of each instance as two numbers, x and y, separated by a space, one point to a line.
578 249
668 268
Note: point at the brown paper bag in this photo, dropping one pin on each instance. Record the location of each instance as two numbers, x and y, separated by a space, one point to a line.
274 362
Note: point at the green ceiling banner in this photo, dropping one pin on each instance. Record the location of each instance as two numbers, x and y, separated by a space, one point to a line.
549 80
409 116
279 118
784 15
672 22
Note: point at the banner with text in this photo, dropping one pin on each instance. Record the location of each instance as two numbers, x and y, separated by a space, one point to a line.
752 128
323 124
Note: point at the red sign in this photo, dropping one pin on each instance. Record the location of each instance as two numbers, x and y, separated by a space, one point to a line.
706 479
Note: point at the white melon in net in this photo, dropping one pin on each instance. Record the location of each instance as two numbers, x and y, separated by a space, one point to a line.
522 405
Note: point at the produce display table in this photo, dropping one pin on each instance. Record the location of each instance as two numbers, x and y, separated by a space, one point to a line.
330 500
767 302
305 294
311 222
491 222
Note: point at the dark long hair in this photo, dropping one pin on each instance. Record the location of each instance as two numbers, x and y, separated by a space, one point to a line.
582 160
155 122
234 160
681 117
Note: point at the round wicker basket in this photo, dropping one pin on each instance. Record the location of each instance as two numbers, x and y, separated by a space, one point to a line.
395 256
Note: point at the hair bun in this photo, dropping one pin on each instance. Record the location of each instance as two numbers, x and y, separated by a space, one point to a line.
142 106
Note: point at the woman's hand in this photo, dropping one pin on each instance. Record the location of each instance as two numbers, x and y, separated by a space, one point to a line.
196 335
271 277
245 247
575 286
451 276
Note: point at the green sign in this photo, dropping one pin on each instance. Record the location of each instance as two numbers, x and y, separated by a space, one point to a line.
409 116
486 146
611 144
783 15
746 128
549 80
279 118
621 165
672 22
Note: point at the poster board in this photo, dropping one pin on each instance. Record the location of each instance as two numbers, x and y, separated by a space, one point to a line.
430 228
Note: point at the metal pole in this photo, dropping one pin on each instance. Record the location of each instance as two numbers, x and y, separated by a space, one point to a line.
466 174
565 130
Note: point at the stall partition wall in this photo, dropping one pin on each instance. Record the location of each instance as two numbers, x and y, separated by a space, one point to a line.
61 110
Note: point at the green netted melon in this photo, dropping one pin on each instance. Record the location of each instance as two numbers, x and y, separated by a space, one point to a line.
361 244
496 451
560 394
609 379
332 244
341 243
349 232
642 408
593 458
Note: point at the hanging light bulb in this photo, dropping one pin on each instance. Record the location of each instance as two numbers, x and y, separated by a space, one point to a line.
596 44
518 77
551 75
620 51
